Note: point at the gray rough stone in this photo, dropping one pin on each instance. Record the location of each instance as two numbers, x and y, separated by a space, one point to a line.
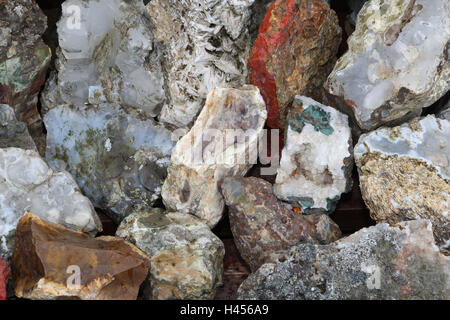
13 133
207 44
186 257
27 184
119 157
405 173
381 262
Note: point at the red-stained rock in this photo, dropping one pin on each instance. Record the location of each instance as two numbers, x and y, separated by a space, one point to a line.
294 53
4 275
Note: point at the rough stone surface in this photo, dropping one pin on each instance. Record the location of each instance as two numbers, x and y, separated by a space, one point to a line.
317 162
118 157
207 45
405 173
293 54
265 228
445 112
186 257
48 259
379 263
4 276
398 61
24 59
223 142
13 133
108 56
27 184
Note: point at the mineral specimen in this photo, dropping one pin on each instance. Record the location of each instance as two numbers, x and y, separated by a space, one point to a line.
264 228
186 257
118 157
24 59
51 262
381 262
223 142
207 45
13 133
27 184
405 173
293 54
398 61
4 275
107 54
316 162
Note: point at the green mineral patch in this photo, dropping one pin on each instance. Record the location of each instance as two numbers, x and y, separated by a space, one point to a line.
313 115
332 203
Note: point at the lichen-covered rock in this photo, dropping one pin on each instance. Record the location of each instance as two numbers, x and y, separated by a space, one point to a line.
186 257
316 162
13 133
24 59
405 173
107 54
118 157
27 184
223 142
379 263
294 53
265 228
4 276
51 262
398 61
207 44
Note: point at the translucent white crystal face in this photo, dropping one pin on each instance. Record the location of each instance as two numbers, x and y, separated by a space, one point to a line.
427 140
27 184
312 162
105 49
387 54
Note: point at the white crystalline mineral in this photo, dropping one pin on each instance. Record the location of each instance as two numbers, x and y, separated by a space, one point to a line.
27 184
405 173
398 60
107 54
316 162
207 45
223 142
118 157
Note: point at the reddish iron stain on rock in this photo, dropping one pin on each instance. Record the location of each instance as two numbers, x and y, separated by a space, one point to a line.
4 275
297 38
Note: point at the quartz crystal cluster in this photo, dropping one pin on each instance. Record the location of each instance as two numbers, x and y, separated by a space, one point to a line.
397 63
206 46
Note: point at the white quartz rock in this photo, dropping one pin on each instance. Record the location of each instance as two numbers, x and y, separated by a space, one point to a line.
207 45
27 184
405 173
316 162
118 157
398 60
223 142
107 54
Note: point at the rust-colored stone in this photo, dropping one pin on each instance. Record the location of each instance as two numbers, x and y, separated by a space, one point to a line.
264 228
48 258
294 53
4 275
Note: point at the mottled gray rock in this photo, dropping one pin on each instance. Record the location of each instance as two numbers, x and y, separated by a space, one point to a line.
265 228
13 133
27 184
398 60
107 54
381 262
223 142
207 45
316 162
444 113
186 257
405 173
118 157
